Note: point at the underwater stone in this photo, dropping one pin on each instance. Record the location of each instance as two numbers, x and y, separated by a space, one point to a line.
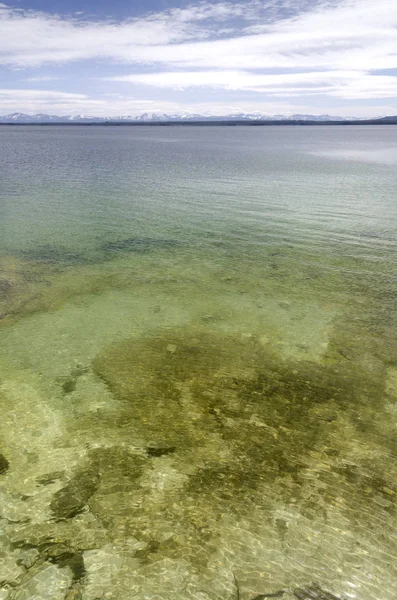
10 568
140 245
56 552
4 464
71 499
83 534
48 583
54 255
75 593
65 556
27 557
314 592
278 594
50 478
324 413
113 504
69 385
154 449
5 286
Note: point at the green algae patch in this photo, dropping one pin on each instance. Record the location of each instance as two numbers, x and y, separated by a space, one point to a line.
245 416
170 384
269 456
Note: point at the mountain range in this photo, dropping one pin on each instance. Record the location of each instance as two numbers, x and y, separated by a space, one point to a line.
162 117
158 118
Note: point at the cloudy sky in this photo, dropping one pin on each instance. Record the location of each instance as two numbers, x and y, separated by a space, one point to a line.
114 57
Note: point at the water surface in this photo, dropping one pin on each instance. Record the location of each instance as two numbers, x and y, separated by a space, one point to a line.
198 368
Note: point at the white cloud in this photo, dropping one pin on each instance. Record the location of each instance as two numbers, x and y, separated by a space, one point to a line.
37 101
42 78
277 48
47 94
342 84
358 34
29 38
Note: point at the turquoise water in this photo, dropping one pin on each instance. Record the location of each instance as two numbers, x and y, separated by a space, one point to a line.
198 366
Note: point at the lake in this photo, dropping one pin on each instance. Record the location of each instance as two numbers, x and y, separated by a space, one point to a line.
198 362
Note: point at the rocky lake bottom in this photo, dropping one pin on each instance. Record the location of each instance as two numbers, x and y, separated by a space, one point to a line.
196 423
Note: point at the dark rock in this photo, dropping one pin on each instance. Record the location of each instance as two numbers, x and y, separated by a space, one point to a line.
152 547
278 594
76 565
5 286
49 478
56 552
314 592
69 382
210 318
159 449
4 464
75 592
139 245
65 556
69 385
70 500
54 255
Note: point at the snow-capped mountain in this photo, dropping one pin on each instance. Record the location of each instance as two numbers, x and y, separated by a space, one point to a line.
162 117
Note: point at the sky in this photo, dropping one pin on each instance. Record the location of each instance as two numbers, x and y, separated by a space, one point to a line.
128 57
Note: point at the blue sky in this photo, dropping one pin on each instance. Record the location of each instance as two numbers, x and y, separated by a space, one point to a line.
123 57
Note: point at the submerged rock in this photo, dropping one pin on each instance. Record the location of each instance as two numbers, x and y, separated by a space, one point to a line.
154 449
314 592
28 557
47 582
5 286
69 382
49 254
75 592
70 500
137 244
116 501
64 555
49 478
69 385
278 594
82 534
4 464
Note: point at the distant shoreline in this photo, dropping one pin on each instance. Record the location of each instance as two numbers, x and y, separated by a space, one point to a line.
264 123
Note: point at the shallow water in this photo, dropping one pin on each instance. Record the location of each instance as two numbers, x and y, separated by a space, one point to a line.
198 366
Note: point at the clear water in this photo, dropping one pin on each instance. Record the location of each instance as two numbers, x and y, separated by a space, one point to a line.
198 363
